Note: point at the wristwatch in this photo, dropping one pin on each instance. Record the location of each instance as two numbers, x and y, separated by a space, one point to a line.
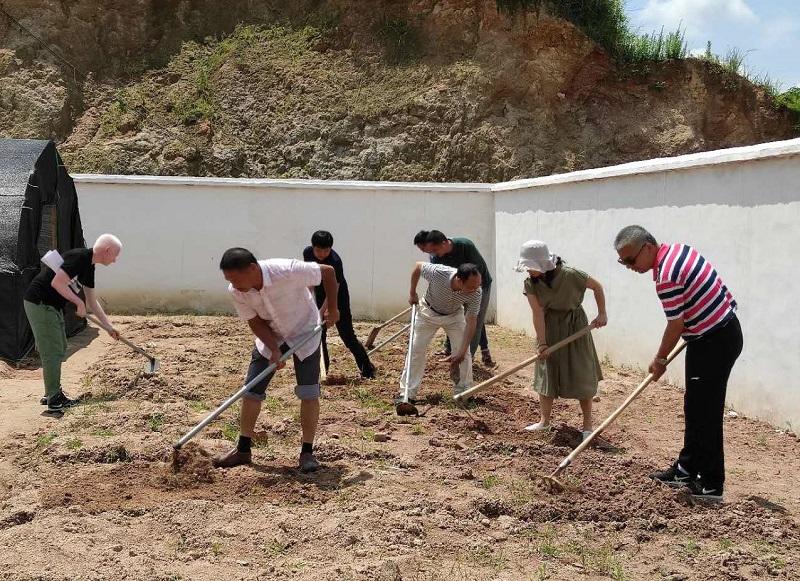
661 361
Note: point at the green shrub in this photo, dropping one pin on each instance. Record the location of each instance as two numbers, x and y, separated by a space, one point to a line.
401 41
605 22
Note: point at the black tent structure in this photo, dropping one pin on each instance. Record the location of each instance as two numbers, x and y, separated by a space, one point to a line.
38 212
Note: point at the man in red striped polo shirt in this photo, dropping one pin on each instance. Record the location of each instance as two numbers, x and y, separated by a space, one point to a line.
699 308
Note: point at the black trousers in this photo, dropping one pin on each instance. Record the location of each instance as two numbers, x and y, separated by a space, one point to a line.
348 336
709 361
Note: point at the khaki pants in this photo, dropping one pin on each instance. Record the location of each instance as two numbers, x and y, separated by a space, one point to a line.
428 322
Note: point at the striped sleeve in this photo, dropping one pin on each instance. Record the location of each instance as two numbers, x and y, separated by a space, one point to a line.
428 271
670 284
473 305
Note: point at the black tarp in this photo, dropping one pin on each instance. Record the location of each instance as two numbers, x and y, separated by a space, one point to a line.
38 212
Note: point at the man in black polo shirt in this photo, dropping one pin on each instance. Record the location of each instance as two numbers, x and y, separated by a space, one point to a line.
44 303
454 252
322 252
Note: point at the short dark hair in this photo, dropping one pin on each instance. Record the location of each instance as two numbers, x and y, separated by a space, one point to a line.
467 270
421 237
322 239
237 259
436 237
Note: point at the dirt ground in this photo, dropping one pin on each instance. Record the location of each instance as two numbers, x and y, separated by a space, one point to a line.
93 495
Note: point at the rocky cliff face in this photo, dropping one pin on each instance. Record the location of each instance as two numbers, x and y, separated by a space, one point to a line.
447 90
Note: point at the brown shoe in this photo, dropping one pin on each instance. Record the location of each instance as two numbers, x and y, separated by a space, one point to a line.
232 458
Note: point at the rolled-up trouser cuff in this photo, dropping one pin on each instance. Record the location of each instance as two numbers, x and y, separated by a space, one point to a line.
253 395
307 392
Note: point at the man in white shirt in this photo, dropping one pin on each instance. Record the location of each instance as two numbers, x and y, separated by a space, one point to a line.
273 296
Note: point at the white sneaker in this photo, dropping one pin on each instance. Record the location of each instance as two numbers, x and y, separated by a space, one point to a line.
538 427
586 434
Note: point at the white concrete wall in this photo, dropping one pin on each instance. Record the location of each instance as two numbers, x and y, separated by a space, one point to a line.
176 229
739 207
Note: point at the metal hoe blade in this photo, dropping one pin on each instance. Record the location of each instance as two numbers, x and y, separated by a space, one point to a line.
151 366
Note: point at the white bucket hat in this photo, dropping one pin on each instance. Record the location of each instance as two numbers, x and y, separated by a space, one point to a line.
534 255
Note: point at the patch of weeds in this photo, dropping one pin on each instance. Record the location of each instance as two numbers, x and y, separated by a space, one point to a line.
638 48
346 496
298 565
156 422
490 481
542 572
485 557
547 546
116 454
761 440
506 449
776 562
197 405
691 548
45 440
121 116
230 431
602 560
74 444
368 435
725 544
366 398
791 100
605 22
216 548
275 548
617 572
522 491
102 433
182 545
274 404
417 429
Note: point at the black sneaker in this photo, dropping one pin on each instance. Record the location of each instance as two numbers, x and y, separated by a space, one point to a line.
308 463
43 400
673 476
705 493
368 372
59 402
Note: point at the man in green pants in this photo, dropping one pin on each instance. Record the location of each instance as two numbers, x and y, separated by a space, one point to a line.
44 303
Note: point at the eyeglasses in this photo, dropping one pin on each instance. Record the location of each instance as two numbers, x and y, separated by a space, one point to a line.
631 260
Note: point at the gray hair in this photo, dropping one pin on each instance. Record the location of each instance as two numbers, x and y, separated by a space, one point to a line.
635 235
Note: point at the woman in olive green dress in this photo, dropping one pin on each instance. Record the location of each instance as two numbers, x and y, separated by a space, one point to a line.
555 293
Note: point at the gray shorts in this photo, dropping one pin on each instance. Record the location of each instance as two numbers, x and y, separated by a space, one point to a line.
306 373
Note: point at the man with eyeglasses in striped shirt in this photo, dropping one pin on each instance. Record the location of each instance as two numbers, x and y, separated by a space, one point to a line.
699 308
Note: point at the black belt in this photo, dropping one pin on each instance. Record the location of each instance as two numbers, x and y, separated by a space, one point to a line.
437 312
